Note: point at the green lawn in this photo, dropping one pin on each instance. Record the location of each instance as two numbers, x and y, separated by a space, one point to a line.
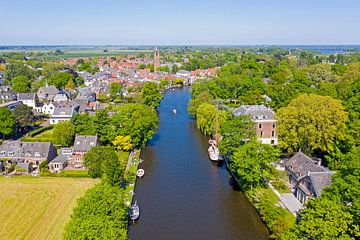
38 207
46 136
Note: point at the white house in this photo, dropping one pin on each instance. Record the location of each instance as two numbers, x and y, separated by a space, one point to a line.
62 114
28 99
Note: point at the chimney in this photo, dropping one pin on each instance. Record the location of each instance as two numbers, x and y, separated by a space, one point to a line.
319 162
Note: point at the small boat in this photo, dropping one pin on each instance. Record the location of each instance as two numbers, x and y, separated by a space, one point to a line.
214 153
134 212
140 172
174 110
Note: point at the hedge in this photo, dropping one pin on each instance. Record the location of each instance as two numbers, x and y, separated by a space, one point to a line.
40 130
67 173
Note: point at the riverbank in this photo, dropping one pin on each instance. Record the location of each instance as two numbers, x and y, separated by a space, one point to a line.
130 176
276 217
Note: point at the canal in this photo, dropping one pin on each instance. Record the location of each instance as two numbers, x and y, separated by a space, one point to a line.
183 195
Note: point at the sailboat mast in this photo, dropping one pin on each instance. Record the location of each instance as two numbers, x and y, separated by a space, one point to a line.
217 126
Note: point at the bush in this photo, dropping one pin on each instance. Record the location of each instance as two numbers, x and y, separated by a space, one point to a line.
40 130
66 173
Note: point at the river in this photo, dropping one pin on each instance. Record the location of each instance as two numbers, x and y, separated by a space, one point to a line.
183 195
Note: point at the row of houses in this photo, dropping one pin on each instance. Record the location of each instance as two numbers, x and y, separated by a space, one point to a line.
34 153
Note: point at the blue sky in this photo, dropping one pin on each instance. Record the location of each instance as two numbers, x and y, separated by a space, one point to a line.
179 22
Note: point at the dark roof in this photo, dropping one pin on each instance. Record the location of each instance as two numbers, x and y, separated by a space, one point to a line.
256 112
320 180
63 111
26 96
18 149
300 164
85 143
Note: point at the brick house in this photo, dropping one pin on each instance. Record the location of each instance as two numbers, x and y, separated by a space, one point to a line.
264 119
82 145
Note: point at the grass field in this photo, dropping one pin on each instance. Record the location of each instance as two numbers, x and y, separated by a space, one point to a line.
46 136
38 207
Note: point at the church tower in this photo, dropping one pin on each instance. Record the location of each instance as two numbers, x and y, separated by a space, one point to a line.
156 59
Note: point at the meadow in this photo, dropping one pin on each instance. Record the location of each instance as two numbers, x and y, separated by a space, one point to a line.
38 207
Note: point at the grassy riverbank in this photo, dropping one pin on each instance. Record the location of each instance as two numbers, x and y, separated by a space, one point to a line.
38 207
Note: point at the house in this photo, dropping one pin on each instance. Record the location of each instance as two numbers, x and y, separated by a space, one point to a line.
82 145
62 114
10 105
47 93
27 152
264 119
61 161
28 99
61 97
49 107
6 94
307 177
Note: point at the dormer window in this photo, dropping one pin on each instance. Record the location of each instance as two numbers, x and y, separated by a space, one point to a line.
92 143
37 154
2 153
78 142
11 153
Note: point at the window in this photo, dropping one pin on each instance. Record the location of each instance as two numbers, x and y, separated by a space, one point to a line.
37 154
2 153
272 142
261 133
274 125
273 133
260 125
11 153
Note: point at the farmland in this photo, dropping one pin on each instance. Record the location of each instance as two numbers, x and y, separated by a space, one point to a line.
38 208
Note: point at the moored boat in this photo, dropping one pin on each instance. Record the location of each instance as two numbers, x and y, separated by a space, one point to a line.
134 212
174 110
140 172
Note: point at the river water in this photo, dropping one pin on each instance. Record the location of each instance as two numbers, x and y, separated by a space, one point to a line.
183 195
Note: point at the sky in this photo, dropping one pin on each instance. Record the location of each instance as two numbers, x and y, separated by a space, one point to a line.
174 22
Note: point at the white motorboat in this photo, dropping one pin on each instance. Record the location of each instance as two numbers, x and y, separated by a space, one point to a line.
174 110
140 172
134 212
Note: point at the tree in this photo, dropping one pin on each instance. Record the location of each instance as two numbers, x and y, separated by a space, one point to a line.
83 124
122 143
60 79
311 122
7 122
151 94
18 69
103 161
325 219
135 120
64 133
236 132
252 163
115 89
24 115
100 214
21 84
206 118
194 103
70 85
79 81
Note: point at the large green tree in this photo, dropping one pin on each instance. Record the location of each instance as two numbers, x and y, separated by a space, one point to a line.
21 84
151 94
311 122
194 103
115 89
7 122
206 118
103 161
135 120
64 133
100 214
252 163
236 132
24 115
60 79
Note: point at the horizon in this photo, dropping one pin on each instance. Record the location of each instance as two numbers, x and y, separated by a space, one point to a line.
182 23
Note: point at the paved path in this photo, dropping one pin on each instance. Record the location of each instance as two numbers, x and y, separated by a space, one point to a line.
287 200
